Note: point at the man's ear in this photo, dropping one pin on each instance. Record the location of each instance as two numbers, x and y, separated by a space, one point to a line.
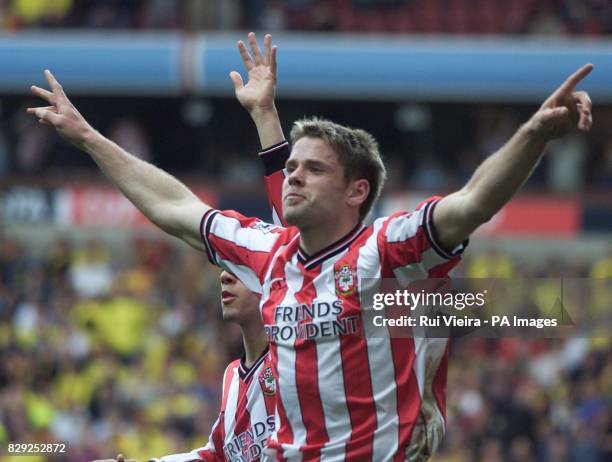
358 192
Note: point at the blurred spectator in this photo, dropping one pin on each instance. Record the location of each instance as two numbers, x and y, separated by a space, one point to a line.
32 146
591 17
119 323
44 13
128 133
273 16
602 268
494 128
603 168
228 16
161 14
109 14
491 264
90 272
58 263
429 175
566 163
238 169
546 21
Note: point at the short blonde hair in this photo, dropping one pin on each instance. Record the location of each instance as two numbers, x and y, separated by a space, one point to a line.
357 152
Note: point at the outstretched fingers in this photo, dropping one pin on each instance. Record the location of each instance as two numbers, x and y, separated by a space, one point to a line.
48 96
46 115
267 44
236 80
246 57
56 88
257 57
273 61
568 86
31 110
270 54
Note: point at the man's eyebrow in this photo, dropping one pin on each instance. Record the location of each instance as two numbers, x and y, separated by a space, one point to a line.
307 162
317 163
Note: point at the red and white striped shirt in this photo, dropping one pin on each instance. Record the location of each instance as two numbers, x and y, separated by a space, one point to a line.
246 419
342 394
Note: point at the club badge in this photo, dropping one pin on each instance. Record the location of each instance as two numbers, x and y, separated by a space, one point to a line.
346 280
268 382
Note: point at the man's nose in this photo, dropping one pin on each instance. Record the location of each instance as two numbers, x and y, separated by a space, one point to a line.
296 178
227 278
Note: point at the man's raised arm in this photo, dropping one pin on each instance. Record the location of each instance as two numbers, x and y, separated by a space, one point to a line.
163 199
257 97
501 175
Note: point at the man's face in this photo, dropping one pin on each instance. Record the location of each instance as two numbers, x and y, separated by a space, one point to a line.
315 189
239 304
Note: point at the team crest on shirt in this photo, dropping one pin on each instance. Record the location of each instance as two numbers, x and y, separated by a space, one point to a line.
346 280
267 382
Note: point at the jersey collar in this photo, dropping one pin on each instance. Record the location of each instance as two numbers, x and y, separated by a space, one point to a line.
340 245
246 372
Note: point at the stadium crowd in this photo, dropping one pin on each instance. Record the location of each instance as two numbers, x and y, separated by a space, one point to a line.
443 149
556 17
113 352
428 147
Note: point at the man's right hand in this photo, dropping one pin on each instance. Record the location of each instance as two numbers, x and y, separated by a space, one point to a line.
61 114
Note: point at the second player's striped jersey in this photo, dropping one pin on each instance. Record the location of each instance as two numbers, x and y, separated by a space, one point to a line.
246 419
342 394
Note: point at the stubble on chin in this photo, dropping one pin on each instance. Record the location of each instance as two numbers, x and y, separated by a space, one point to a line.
291 215
228 317
295 217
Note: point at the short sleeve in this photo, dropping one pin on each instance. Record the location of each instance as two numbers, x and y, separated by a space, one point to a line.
409 247
240 244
